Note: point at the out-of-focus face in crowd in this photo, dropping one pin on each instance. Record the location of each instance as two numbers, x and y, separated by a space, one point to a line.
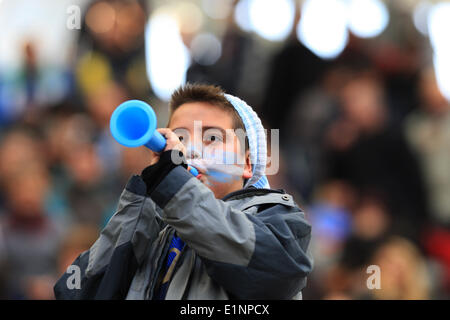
362 102
403 271
17 151
116 25
26 191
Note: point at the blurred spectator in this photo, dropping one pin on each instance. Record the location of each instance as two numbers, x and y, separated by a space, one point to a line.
17 148
27 90
235 45
364 149
87 194
100 105
313 111
79 238
345 240
371 223
404 274
292 70
111 46
30 239
428 132
30 70
330 215
77 172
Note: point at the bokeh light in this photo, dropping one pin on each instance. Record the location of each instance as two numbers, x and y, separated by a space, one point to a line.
272 20
242 15
438 28
323 27
189 16
206 49
420 16
167 56
367 18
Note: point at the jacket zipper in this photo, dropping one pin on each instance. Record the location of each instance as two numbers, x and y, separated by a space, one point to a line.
158 263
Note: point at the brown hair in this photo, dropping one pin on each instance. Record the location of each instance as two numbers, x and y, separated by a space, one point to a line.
196 92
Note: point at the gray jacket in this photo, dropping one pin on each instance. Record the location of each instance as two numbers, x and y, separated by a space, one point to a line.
250 245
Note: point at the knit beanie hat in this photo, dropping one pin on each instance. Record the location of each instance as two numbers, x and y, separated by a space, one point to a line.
256 140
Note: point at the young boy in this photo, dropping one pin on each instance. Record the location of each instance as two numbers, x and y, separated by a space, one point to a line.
221 235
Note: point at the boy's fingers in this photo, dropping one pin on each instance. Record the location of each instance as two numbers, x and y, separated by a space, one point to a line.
172 140
168 134
163 131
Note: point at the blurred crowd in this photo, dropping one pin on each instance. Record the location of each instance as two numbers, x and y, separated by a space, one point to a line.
364 148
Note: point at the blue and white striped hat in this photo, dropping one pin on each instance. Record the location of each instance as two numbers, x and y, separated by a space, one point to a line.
256 140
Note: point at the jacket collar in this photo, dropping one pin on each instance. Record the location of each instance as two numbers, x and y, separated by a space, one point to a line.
250 192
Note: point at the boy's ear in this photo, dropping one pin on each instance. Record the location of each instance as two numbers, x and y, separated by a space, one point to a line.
247 174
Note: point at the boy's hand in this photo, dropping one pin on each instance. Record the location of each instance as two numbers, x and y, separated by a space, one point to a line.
172 143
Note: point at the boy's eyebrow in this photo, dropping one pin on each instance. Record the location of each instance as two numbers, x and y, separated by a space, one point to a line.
179 128
204 129
212 127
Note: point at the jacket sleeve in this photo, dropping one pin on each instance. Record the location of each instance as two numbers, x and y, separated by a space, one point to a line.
107 268
252 255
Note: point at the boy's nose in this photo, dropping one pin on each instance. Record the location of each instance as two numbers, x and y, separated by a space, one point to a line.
193 152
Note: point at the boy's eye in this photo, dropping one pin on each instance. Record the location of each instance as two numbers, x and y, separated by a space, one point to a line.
213 138
182 134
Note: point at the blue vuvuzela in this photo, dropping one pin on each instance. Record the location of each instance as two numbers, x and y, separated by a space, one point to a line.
133 124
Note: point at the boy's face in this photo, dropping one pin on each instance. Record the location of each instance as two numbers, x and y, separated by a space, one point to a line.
212 146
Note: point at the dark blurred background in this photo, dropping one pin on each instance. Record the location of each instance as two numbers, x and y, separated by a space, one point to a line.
359 90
